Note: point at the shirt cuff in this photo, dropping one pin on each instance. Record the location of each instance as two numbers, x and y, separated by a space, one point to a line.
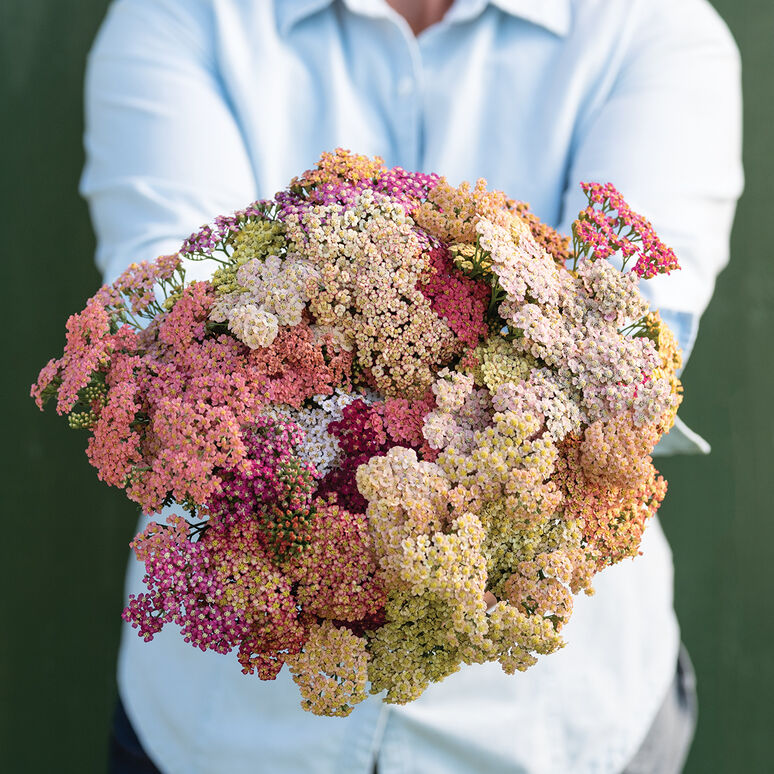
681 439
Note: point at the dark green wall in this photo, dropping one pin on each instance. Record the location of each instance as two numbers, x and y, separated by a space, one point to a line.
64 539
64 543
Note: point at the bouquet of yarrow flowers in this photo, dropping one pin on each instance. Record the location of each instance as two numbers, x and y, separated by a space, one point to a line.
403 423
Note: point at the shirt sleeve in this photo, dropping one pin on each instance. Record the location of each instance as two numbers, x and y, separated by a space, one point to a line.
164 153
665 129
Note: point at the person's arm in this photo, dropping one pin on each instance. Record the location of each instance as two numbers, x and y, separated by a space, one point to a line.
666 131
164 153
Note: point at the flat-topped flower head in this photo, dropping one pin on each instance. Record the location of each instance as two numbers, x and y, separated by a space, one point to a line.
609 226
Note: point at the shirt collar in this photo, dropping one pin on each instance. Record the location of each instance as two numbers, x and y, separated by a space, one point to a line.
553 15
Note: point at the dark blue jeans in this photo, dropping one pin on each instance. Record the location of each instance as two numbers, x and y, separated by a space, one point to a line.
125 753
663 752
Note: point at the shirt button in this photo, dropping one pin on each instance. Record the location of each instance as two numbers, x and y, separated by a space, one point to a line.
405 87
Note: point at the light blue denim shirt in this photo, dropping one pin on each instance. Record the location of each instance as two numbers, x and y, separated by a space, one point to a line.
196 107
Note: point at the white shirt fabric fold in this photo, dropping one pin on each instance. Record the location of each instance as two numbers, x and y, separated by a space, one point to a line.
197 107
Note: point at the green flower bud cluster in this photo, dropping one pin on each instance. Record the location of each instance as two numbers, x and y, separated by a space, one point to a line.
173 297
473 260
95 391
256 239
92 396
81 420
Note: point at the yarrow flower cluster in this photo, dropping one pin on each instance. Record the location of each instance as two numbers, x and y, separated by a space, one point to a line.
608 226
393 401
